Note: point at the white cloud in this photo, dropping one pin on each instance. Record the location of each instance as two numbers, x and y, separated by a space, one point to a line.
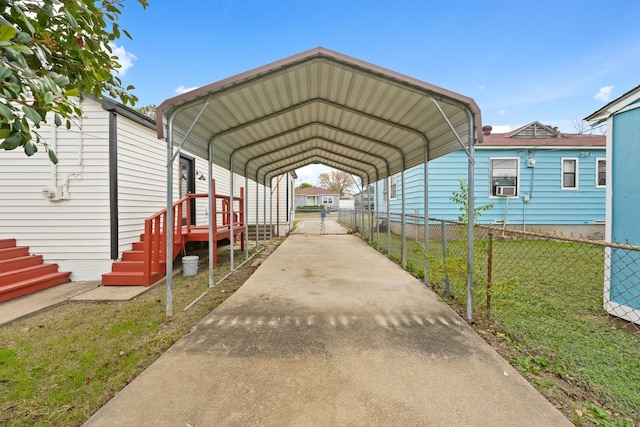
502 129
604 94
182 89
502 111
310 173
482 87
125 59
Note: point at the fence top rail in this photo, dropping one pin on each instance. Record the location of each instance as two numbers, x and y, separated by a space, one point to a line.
562 237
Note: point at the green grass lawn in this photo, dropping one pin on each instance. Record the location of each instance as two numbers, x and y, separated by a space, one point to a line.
60 366
547 307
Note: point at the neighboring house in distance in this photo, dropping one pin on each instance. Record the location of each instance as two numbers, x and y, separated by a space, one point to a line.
361 199
536 177
84 212
622 281
315 196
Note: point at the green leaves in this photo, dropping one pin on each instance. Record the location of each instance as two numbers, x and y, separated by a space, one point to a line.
7 32
50 53
11 142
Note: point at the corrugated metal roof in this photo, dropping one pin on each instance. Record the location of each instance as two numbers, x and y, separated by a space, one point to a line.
319 107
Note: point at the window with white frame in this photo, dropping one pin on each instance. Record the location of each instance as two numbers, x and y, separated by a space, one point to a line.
569 174
327 200
393 187
505 174
601 173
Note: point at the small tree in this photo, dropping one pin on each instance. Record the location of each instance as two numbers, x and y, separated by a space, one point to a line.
148 110
305 185
461 197
52 52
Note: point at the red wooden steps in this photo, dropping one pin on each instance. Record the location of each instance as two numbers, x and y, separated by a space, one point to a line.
22 274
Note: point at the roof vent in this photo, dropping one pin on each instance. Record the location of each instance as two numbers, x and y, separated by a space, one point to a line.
486 130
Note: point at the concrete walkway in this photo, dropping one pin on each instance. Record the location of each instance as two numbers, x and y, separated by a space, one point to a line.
328 332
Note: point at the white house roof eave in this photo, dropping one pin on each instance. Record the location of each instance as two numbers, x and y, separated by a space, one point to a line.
319 106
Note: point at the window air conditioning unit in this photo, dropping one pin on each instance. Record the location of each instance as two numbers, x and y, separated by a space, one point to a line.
505 190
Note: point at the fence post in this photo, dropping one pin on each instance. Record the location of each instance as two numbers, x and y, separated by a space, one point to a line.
447 286
489 270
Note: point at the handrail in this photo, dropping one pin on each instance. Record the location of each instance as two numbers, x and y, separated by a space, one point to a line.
155 227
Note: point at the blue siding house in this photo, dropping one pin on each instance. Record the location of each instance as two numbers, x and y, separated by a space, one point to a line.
537 178
622 277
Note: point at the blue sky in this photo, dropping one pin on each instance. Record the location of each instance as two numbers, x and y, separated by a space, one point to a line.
553 61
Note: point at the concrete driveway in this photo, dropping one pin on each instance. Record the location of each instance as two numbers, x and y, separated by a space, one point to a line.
328 332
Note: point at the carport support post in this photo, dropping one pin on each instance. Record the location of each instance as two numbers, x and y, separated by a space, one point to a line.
232 264
169 224
270 208
470 219
264 211
388 219
257 214
369 216
211 201
245 218
403 225
426 215
376 213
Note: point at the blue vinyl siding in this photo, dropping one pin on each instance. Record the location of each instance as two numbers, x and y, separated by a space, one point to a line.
626 185
625 147
549 203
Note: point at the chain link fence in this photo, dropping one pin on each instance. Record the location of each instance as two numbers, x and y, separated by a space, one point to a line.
571 305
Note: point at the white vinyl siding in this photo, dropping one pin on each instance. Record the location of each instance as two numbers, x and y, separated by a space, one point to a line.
73 233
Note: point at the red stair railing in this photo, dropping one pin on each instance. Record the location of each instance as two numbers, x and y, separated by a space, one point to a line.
156 225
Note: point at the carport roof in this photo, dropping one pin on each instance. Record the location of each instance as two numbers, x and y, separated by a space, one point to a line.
319 107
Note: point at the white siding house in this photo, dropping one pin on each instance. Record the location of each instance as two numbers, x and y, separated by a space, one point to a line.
84 212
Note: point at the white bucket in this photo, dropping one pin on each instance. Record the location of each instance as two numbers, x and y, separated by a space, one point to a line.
190 265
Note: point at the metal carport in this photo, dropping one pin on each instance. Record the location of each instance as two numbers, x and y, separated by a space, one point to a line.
319 106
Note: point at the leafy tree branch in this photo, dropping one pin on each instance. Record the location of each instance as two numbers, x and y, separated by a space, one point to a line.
52 52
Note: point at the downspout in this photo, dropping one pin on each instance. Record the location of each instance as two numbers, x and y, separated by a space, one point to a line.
278 207
54 166
113 184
